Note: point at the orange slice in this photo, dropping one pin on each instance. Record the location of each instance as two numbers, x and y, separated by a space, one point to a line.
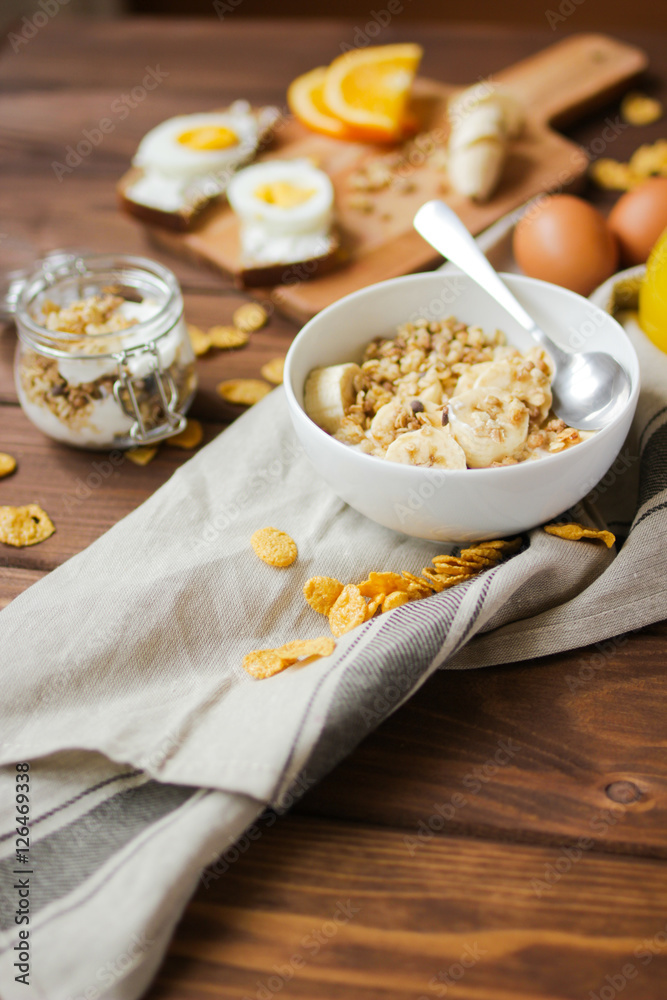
368 89
306 102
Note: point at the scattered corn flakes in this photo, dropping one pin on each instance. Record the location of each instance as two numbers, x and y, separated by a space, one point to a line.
273 370
640 109
274 547
27 525
646 161
574 531
243 391
349 610
7 464
190 437
226 338
200 341
263 663
322 592
250 317
350 605
142 455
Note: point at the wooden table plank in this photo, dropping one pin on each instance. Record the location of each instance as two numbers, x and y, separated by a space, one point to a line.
14 581
545 751
322 910
82 491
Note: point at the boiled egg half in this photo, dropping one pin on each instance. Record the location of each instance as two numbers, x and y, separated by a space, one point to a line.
285 208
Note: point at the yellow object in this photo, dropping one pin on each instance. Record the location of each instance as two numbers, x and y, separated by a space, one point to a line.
653 295
282 194
208 137
368 89
305 98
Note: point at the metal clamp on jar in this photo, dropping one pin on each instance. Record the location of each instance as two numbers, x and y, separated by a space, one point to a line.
104 359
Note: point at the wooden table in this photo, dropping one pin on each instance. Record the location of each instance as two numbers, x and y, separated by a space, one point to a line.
503 836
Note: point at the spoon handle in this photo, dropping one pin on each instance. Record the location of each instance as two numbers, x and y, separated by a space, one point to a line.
441 227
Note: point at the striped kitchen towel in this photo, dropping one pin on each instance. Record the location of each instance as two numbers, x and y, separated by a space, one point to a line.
140 748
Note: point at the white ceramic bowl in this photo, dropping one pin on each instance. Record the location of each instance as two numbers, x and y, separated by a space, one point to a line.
456 505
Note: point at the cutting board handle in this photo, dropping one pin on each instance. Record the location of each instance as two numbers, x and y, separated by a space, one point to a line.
572 77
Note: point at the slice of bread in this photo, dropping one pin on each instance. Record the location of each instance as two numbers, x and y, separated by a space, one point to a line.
196 201
255 275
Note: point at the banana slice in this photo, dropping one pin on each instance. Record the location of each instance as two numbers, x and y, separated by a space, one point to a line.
384 423
429 446
482 119
518 376
489 424
328 394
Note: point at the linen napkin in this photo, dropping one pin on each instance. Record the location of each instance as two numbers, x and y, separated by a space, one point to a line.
150 750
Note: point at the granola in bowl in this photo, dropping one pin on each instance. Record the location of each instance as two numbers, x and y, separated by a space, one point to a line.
442 393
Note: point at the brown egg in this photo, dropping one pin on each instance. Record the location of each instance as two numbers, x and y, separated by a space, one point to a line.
638 218
565 240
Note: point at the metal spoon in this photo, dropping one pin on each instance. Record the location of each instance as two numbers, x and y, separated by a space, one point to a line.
588 389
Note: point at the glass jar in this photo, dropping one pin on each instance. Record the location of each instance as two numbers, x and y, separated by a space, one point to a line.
103 358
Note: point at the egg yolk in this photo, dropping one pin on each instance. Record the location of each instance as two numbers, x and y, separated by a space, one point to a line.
283 194
208 137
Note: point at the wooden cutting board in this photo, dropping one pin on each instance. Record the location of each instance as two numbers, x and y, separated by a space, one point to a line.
555 86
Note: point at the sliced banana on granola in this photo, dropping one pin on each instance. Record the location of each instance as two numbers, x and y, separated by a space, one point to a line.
429 446
329 393
519 377
488 424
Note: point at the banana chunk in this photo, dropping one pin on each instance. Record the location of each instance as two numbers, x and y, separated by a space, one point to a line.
328 394
517 376
483 118
429 446
488 424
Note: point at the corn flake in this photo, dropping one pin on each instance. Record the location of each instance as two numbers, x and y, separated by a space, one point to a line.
263 663
200 341
273 370
243 391
7 464
394 600
274 547
142 455
322 592
227 338
574 531
640 109
381 584
349 610
20 526
250 317
612 175
300 648
188 438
